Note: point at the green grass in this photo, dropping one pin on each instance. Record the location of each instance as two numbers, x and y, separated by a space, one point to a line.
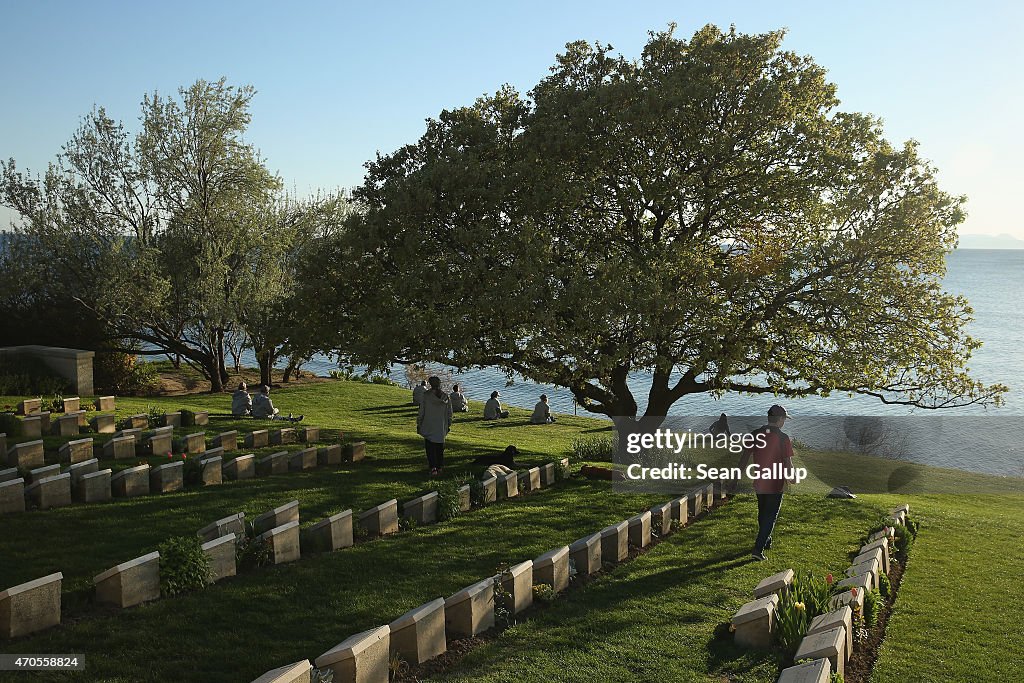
659 617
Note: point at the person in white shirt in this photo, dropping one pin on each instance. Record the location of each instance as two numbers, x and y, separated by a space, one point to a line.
542 412
433 423
418 391
263 408
458 399
492 409
241 401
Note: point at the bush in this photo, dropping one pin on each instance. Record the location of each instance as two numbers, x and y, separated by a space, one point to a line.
183 565
904 540
544 592
192 472
792 621
27 376
562 470
448 506
10 425
476 493
872 605
594 448
884 585
815 593
252 551
120 373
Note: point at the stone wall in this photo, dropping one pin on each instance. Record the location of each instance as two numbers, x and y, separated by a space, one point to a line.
73 364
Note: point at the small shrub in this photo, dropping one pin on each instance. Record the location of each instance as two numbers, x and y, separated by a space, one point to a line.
252 551
792 621
904 540
476 493
544 592
321 675
155 415
872 605
562 470
594 448
121 374
27 376
54 405
503 616
884 585
382 379
10 425
407 524
183 565
448 506
192 473
835 677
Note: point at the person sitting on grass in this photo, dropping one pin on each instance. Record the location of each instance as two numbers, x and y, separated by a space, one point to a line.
542 412
459 403
492 409
263 408
241 401
418 391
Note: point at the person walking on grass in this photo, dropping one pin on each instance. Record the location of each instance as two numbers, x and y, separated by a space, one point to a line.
433 423
775 454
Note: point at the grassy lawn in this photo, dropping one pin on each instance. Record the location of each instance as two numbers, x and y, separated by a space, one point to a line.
658 617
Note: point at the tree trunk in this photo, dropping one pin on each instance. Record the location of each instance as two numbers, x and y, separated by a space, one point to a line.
289 369
266 363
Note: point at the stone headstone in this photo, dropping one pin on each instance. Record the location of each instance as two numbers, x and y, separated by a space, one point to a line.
586 554
422 509
547 474
680 510
232 524
167 478
864 582
242 467
76 451
72 404
362 658
130 482
814 671
172 419
517 583
640 530
358 451
130 583
193 444
470 611
43 472
489 488
303 460
381 519
135 434
830 645
66 425
221 553
226 440
465 498
275 463
104 424
333 533
259 438
212 469
280 437
140 421
279 516
871 566
854 597
615 542
309 434
661 519
533 478
26 455
8 474
194 418
32 427
840 618
881 544
696 503
29 406
508 485
93 487
159 443
329 455
12 496
50 492
299 672
552 568
120 448
80 469
30 607
283 542
755 623
105 403
213 453
418 635
776 583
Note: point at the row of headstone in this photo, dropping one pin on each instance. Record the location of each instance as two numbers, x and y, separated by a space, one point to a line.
33 406
828 643
422 633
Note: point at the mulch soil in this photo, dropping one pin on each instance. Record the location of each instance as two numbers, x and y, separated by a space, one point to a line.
865 652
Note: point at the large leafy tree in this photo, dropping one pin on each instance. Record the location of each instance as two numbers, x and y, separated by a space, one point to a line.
705 214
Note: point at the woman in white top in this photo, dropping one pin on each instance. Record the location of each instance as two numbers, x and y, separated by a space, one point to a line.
458 399
542 412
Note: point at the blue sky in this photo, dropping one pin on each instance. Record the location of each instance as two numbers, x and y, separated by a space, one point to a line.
339 81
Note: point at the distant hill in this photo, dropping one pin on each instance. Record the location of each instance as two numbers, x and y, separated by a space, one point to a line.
1002 241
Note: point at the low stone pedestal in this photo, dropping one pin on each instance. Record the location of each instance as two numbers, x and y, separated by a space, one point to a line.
303 460
696 503
72 404
66 425
552 568
32 426
871 566
640 530
881 544
299 672
283 542
615 542
362 658
140 421
873 555
585 554
357 451
12 496
289 512
418 635
680 510
221 553
82 468
465 498
195 418
29 406
8 473
30 607
864 582
852 597
533 478
50 492
470 611
830 645
333 533
755 623
815 671
26 455
130 583
275 463
226 440
172 420
517 582
259 438
93 487
232 524
131 482
840 618
242 467
776 583
160 442
329 455
422 509
43 472
381 520
75 451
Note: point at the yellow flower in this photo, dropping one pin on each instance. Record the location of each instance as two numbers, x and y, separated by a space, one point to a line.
800 606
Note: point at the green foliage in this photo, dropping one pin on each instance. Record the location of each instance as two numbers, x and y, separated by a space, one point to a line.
792 620
321 675
183 565
599 448
155 415
835 677
884 585
11 426
872 606
544 592
814 592
476 493
448 506
27 376
122 374
562 469
192 473
503 613
251 551
904 540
